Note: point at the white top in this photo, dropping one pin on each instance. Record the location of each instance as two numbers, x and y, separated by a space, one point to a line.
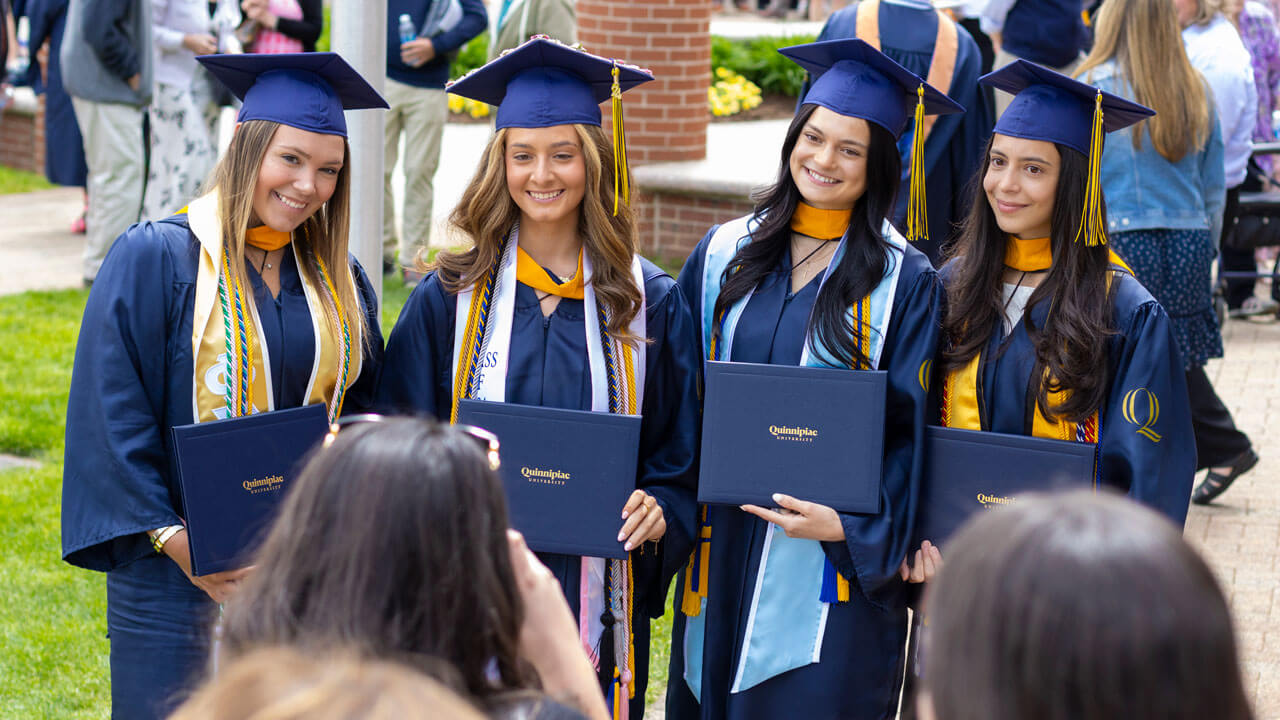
1015 299
1215 49
170 21
991 14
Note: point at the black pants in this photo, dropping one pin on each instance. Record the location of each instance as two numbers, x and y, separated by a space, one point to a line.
1218 441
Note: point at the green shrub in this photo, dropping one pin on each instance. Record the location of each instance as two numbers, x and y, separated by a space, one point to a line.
759 61
471 56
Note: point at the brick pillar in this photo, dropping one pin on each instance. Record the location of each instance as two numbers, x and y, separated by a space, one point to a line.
666 119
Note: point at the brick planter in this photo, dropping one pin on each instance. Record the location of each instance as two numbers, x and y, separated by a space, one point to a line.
22 133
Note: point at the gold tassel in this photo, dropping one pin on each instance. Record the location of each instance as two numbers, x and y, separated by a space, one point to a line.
917 213
691 603
1092 224
620 183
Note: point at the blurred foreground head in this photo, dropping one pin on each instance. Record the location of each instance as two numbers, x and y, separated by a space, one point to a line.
1078 607
392 543
283 684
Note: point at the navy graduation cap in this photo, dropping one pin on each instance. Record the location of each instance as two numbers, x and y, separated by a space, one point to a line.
1052 107
544 83
856 80
308 91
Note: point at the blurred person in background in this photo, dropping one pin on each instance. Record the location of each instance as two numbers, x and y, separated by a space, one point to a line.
1046 32
1006 615
182 151
281 26
417 70
1164 183
1216 50
519 20
1257 26
108 69
64 162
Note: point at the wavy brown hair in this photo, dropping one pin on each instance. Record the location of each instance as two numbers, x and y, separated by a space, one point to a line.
323 235
1075 606
392 543
1071 343
866 252
1144 40
487 213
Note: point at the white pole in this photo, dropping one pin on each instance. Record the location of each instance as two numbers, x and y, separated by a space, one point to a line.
358 32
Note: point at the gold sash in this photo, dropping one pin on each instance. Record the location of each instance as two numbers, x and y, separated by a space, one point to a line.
215 365
946 46
960 406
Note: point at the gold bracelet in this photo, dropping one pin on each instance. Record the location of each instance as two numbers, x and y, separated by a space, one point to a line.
160 536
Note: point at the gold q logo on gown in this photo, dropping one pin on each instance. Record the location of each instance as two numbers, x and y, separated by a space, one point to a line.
926 374
1133 403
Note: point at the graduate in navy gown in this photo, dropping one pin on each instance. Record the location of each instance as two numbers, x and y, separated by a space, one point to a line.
542 308
1034 292
817 276
262 257
930 44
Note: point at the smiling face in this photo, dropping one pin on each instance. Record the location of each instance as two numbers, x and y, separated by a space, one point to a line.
829 161
546 175
298 175
1020 181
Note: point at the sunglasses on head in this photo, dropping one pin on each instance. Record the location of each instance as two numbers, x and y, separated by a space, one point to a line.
488 441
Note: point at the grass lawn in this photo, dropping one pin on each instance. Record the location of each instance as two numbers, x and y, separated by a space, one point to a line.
53 618
20 181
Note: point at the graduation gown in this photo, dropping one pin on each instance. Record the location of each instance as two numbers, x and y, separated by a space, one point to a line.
131 383
954 148
859 672
1151 457
548 367
64 161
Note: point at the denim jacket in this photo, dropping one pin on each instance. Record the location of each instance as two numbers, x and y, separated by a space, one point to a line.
1144 190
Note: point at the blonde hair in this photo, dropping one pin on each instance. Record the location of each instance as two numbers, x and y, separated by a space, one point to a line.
285 684
323 235
1144 40
487 212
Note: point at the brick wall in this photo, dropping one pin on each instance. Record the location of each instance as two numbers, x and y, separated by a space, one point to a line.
666 120
671 223
22 136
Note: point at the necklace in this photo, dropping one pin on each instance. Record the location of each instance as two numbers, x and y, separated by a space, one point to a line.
806 258
1013 292
264 263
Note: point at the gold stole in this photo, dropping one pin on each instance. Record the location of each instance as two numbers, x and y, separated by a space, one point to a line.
215 366
960 407
946 46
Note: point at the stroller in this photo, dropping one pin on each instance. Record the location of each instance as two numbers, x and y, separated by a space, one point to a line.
1256 225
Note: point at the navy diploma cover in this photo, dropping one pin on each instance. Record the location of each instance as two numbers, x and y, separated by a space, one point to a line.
567 473
970 470
816 434
233 474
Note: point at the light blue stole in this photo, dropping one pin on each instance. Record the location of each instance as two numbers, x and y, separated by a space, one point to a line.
787 619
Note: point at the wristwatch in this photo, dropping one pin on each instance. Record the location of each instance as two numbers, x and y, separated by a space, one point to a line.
162 535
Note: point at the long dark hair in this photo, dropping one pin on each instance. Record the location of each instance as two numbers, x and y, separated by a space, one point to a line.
1075 606
866 250
392 544
1071 343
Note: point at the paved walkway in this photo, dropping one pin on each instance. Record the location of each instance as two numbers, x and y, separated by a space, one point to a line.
1240 535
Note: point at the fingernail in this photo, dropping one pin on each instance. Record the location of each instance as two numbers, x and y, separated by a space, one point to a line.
777 497
622 536
627 547
625 514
